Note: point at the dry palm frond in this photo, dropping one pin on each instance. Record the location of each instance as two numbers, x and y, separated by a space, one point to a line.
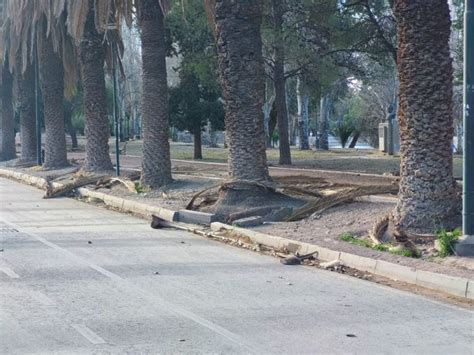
379 229
319 205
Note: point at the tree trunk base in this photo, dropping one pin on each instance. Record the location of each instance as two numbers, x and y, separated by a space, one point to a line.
242 199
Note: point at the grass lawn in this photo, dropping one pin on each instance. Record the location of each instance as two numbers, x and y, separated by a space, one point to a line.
365 161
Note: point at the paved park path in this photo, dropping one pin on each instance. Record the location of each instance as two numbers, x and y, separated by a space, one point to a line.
75 278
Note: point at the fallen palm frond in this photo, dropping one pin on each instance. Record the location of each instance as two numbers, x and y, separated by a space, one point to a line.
379 229
319 205
190 205
53 190
300 191
109 181
257 211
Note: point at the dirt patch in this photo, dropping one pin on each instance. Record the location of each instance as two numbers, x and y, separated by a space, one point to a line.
174 196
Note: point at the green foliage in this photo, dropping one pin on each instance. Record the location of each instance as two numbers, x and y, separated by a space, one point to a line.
403 252
343 129
191 105
140 189
447 241
195 100
78 122
349 238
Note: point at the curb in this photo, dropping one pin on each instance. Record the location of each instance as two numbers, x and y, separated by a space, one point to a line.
456 286
117 202
131 206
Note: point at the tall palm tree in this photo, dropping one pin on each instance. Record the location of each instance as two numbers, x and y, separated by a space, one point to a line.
25 105
428 197
239 46
7 150
156 165
52 87
92 56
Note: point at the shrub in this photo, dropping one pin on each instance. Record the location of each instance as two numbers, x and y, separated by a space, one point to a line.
447 241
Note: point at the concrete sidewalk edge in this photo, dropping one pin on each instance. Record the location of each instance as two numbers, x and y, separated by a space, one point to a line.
456 286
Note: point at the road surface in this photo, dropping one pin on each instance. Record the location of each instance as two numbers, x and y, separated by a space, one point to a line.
82 279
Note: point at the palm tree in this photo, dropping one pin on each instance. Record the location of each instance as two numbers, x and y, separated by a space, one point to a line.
92 56
25 105
239 46
428 197
7 150
52 87
156 165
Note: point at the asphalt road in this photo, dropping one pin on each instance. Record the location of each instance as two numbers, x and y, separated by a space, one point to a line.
75 278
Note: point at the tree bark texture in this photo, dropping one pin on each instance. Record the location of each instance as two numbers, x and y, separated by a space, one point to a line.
428 198
303 113
156 164
197 143
324 123
25 105
69 126
279 82
8 149
97 130
354 139
52 87
239 46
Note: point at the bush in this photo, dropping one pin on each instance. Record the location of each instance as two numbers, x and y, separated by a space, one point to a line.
447 241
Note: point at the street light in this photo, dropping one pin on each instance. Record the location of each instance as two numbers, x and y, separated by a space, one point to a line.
466 245
39 153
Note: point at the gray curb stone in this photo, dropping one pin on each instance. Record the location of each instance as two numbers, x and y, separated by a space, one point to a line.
457 286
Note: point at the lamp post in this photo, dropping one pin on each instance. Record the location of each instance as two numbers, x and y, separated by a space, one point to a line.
466 245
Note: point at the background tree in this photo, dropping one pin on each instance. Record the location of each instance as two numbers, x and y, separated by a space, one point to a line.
428 198
279 80
192 107
195 101
7 149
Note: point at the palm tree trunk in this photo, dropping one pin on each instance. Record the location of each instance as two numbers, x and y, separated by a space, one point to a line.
8 150
239 49
97 130
279 81
156 164
52 88
25 105
428 198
